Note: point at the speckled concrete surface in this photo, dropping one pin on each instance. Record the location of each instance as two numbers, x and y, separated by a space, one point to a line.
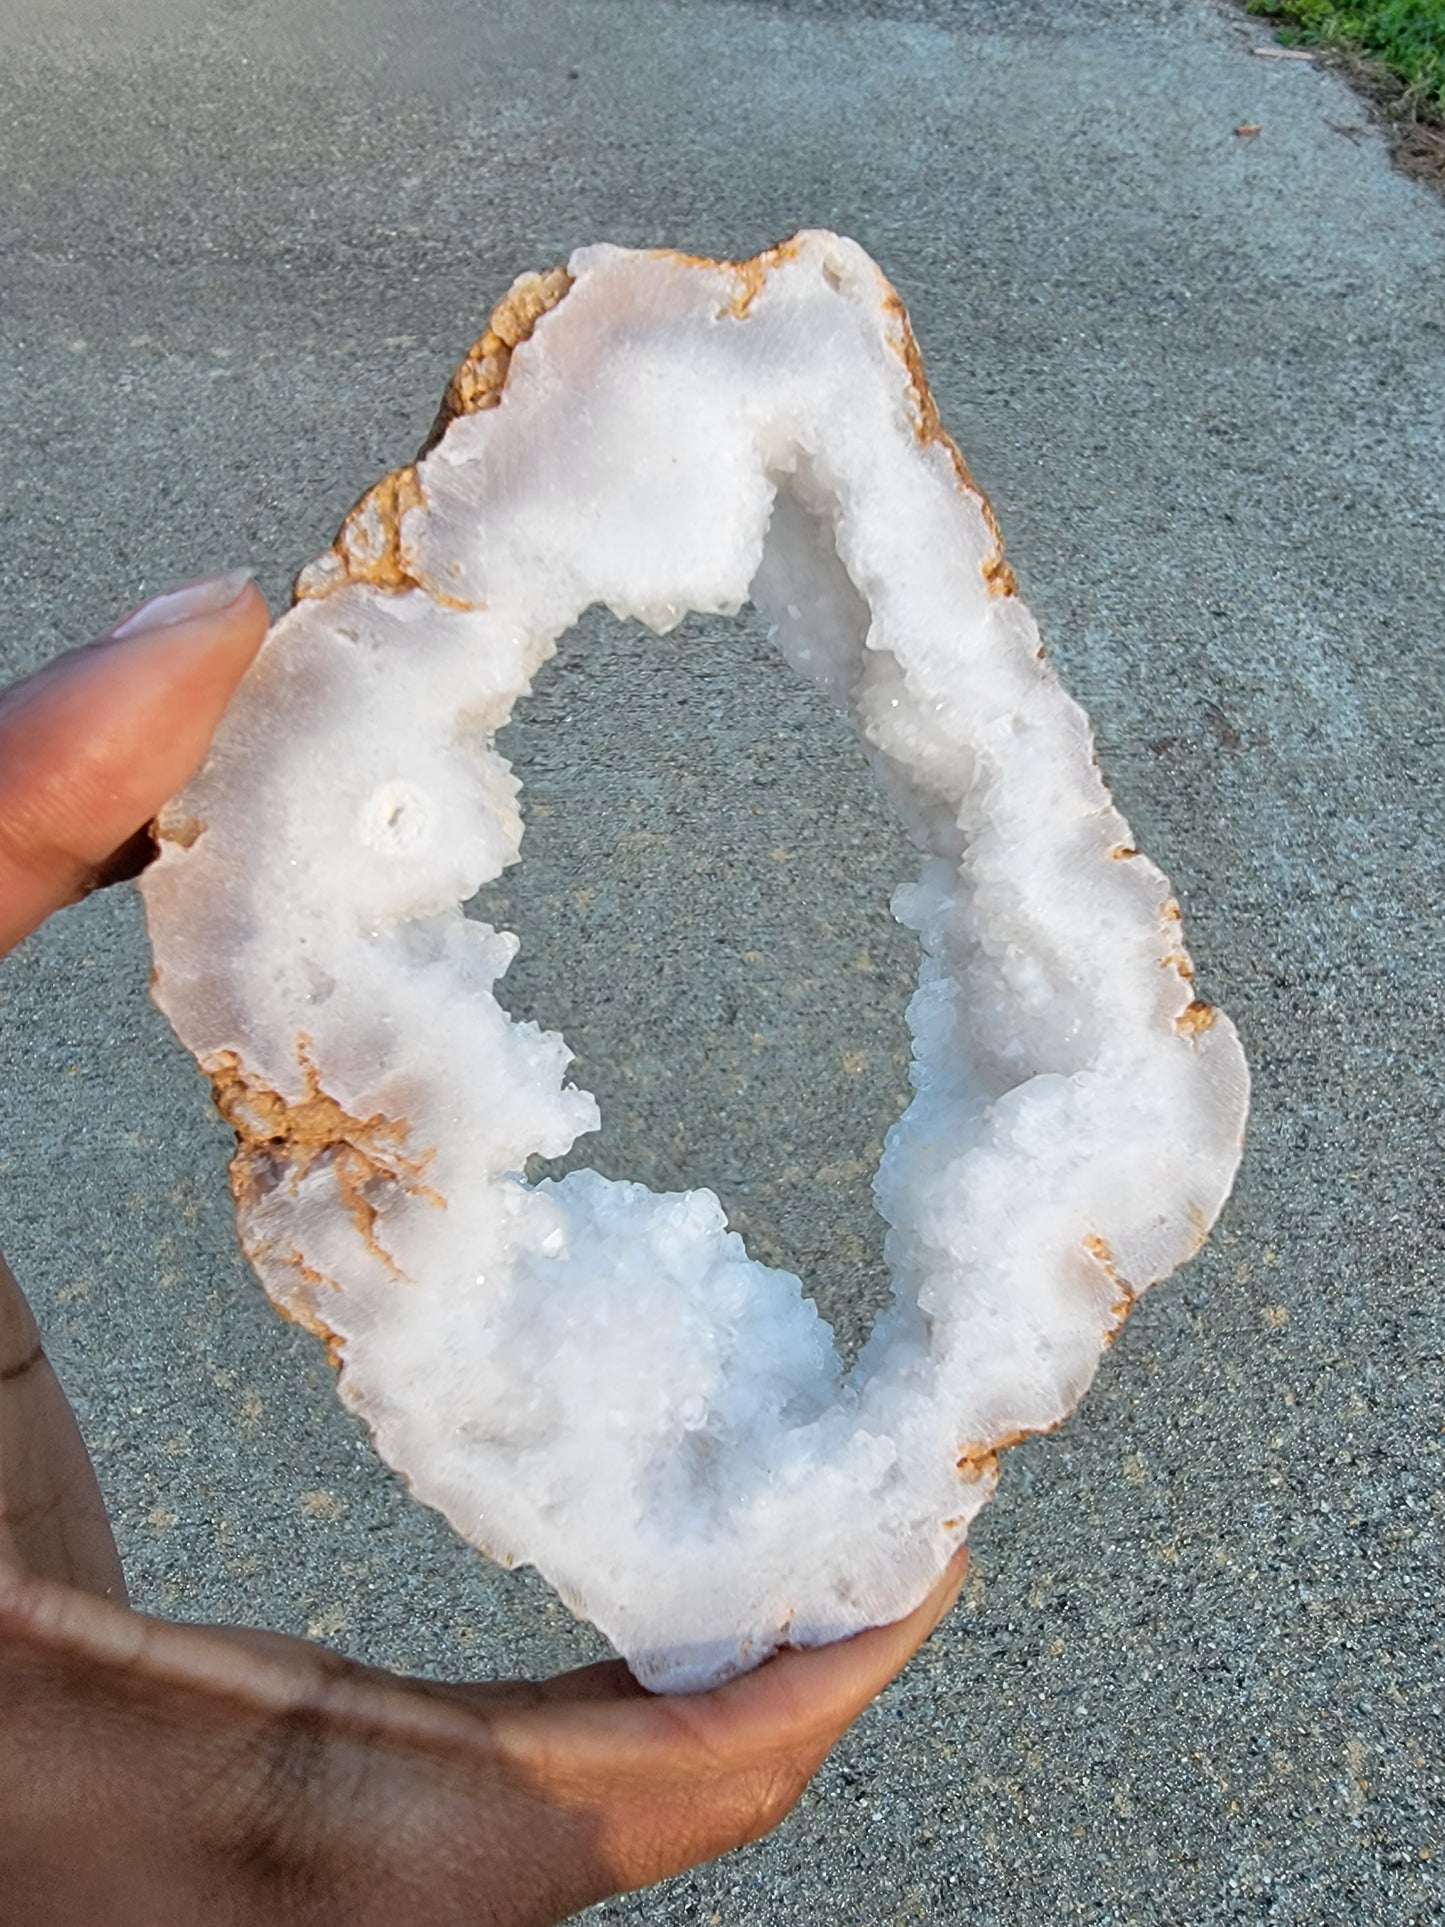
1197 1675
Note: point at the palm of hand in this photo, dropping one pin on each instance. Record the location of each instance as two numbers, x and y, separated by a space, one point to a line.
156 1774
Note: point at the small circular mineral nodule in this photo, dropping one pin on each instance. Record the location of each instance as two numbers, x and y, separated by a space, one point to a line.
395 817
544 1363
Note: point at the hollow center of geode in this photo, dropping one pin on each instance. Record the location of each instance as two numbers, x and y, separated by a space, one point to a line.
703 912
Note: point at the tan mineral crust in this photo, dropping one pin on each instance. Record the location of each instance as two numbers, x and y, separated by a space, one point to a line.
584 1374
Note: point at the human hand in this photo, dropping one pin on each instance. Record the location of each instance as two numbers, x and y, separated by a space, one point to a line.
157 1775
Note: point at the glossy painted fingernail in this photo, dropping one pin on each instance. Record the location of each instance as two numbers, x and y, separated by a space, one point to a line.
207 596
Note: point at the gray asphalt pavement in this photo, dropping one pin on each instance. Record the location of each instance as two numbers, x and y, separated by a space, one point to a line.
1197 1674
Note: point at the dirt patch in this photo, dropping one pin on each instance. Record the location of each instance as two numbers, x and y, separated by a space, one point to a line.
1413 129
1416 138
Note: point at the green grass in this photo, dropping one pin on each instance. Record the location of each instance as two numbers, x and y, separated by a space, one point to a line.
1405 37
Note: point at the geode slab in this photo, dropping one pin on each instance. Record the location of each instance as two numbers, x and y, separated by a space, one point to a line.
585 1374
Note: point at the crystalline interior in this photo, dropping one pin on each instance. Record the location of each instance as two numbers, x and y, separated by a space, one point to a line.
585 1374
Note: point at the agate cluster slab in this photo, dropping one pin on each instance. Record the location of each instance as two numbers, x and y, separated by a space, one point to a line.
585 1374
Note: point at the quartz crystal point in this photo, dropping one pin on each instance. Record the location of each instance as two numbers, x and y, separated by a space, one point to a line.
584 1374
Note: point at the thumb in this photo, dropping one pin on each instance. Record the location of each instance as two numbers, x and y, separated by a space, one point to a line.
95 742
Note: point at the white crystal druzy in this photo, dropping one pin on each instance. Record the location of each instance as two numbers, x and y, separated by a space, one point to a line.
584 1374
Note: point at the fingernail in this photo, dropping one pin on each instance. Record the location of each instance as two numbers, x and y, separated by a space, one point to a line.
207 596
955 1573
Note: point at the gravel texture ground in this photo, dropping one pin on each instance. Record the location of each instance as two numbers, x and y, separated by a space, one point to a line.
1197 1675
